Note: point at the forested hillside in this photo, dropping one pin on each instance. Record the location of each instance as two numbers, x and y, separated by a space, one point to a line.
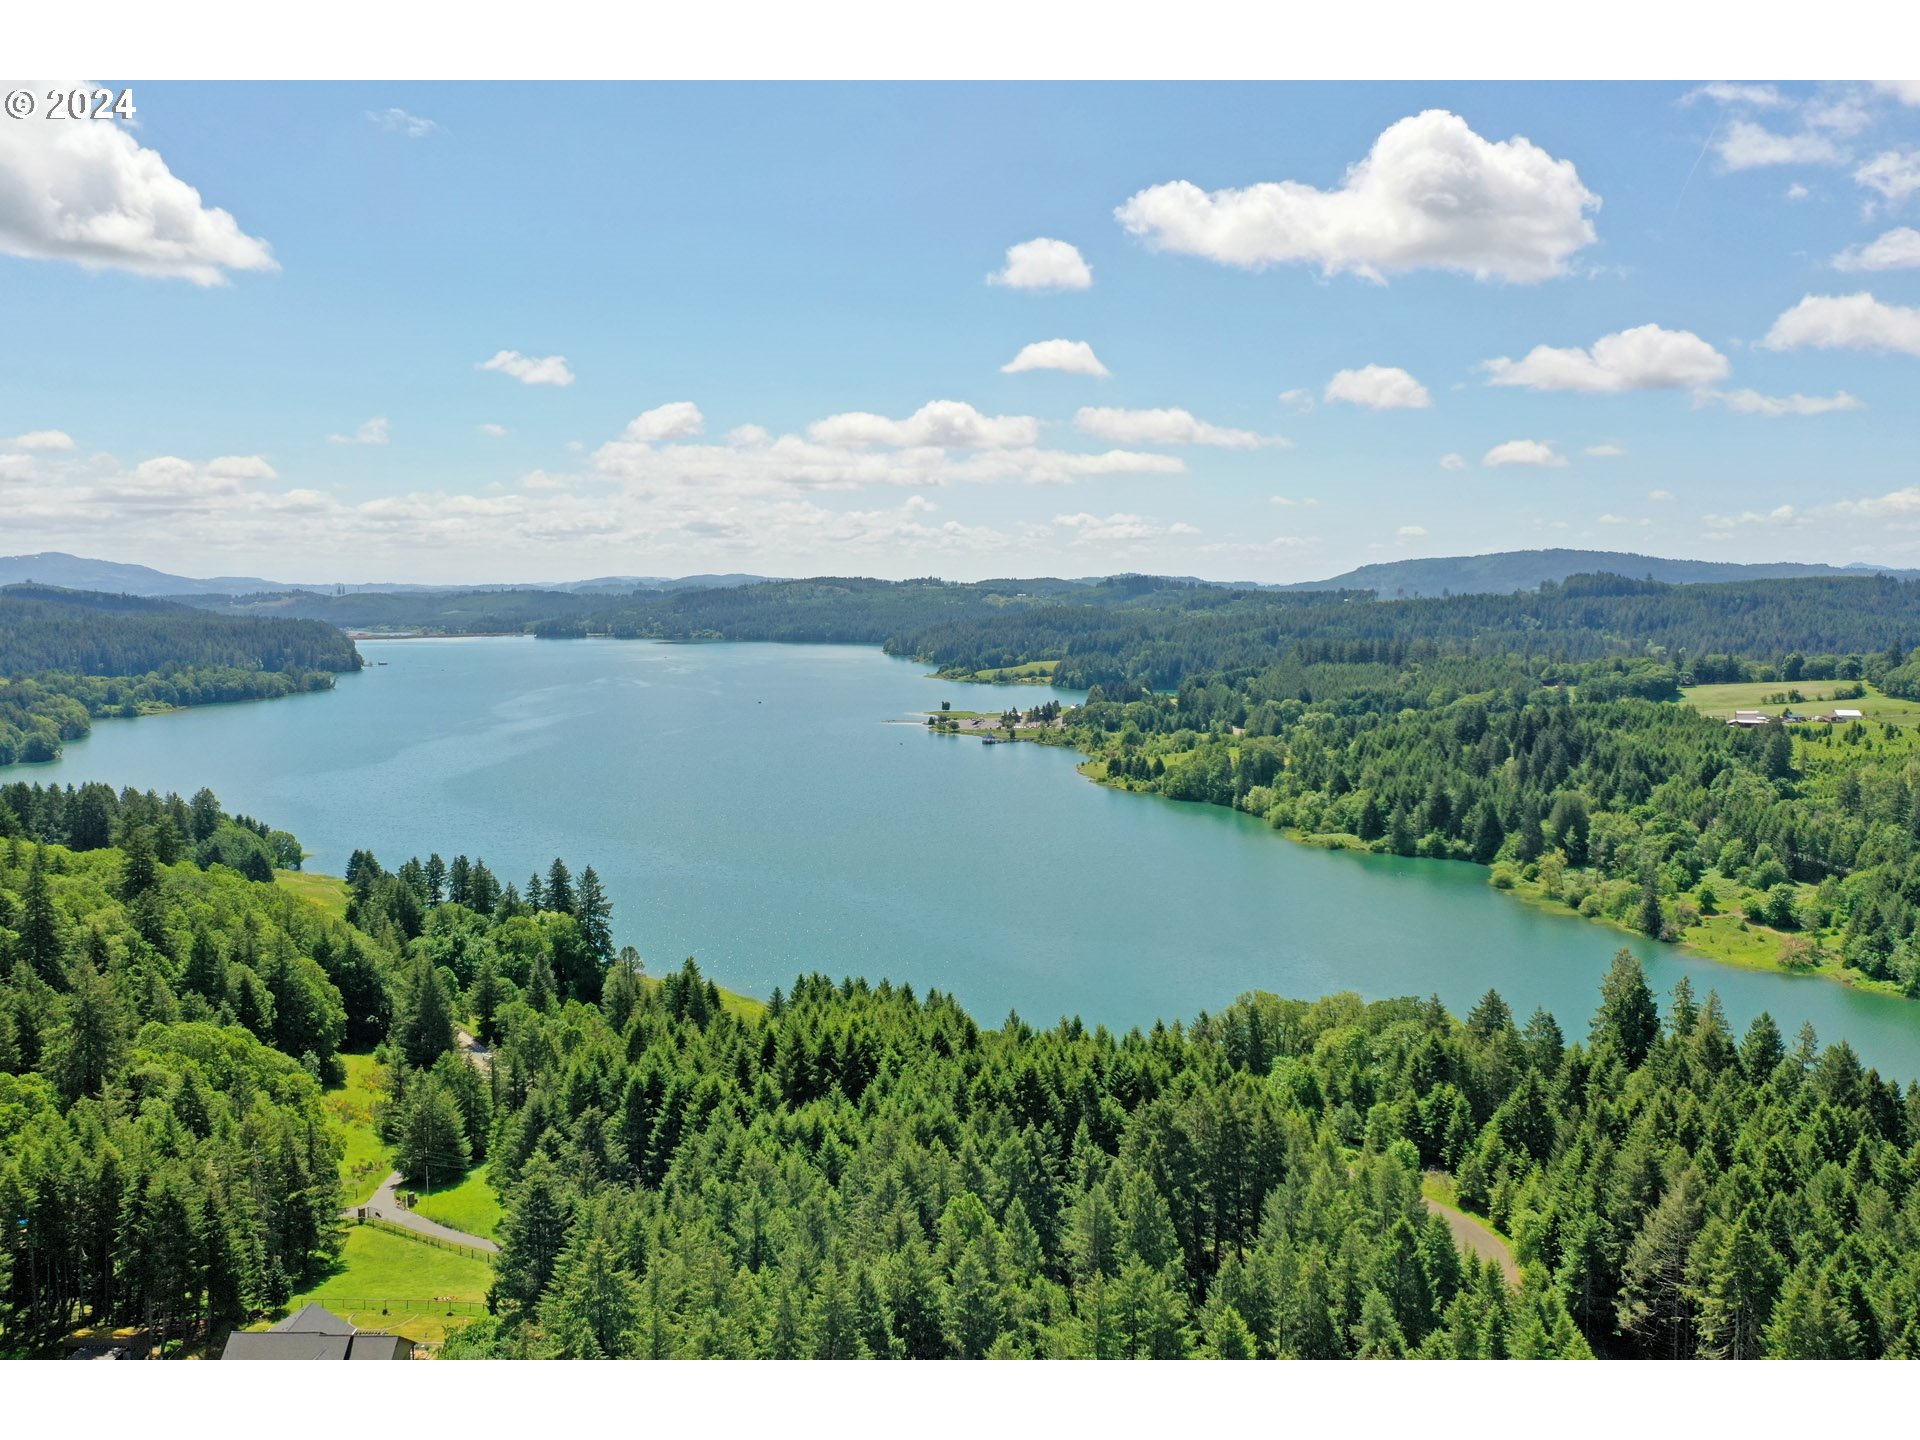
1154 634
829 610
854 1169
460 612
1644 812
165 1031
1161 635
68 657
170 1018
862 1171
1509 570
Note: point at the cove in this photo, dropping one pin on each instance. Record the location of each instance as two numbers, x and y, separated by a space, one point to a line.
753 806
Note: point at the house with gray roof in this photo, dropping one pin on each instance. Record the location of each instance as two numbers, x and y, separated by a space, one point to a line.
314 1332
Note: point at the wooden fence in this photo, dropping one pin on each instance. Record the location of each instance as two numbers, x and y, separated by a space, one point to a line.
394 1228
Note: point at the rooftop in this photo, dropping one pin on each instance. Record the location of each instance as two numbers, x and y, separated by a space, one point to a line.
314 1332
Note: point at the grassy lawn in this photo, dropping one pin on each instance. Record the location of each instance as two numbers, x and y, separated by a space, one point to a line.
1720 701
378 1270
366 1162
743 1007
329 892
473 1205
1034 672
1729 937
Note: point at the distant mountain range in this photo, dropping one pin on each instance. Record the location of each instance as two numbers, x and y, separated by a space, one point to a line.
71 572
1499 573
1510 570
74 572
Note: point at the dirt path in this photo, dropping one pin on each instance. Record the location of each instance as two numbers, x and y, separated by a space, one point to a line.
1474 1235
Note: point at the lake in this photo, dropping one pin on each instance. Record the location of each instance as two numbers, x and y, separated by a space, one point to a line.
763 808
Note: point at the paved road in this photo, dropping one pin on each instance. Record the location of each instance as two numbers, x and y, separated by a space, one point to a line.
1470 1234
385 1205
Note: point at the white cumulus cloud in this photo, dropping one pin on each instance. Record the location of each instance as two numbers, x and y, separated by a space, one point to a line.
1643 358
1430 194
942 424
1453 460
493 431
1043 264
88 192
1076 357
529 369
1746 145
1411 532
676 420
1522 452
1603 452
1378 387
371 432
1846 322
42 440
1895 250
1893 174
1907 92
1166 427
241 467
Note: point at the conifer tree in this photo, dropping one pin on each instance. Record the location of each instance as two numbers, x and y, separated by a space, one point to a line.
43 935
539 1216
593 912
593 1309
96 1041
560 896
423 1026
1627 1014
138 871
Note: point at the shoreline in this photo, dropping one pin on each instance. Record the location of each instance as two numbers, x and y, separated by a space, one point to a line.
1831 970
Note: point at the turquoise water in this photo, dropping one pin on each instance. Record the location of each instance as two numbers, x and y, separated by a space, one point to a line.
752 805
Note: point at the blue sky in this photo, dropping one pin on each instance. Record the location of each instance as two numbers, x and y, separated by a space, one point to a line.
751 292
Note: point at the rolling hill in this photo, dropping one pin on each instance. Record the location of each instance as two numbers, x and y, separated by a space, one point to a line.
1508 570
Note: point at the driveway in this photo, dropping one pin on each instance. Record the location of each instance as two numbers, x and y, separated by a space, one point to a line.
385 1205
1471 1234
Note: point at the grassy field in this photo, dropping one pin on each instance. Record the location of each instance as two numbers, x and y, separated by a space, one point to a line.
329 892
1034 672
473 1205
1720 701
366 1162
409 1281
